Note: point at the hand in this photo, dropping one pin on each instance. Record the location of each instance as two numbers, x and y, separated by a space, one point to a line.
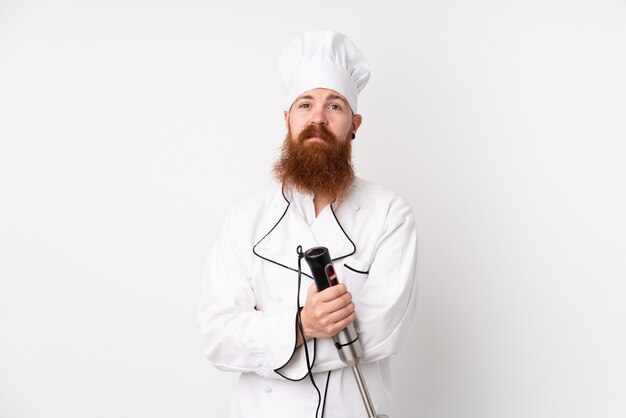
327 312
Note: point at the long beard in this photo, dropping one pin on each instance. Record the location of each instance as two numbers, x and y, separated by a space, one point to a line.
323 168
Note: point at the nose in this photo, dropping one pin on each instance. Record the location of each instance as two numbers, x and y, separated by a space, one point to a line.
319 117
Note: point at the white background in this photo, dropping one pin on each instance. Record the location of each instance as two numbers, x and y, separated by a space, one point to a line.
128 128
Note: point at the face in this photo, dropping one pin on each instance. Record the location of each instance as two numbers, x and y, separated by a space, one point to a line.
322 107
316 156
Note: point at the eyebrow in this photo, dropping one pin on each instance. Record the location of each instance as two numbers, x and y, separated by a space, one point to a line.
329 97
337 97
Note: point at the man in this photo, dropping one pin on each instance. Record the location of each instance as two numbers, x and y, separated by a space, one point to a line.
252 286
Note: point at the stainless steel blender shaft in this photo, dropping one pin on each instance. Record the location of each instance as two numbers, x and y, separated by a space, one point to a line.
350 351
369 406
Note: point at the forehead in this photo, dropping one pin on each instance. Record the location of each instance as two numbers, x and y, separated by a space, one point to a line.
321 94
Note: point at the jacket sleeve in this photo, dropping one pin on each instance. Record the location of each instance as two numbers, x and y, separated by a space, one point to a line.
236 336
386 304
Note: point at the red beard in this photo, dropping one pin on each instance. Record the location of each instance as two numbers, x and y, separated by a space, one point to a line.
321 168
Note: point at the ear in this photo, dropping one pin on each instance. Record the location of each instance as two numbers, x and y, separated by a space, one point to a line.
356 122
286 115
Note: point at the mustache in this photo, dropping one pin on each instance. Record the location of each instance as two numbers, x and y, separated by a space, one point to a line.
319 131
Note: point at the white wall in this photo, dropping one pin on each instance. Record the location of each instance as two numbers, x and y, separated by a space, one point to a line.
127 129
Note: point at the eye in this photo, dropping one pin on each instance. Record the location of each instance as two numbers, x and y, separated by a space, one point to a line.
335 106
304 105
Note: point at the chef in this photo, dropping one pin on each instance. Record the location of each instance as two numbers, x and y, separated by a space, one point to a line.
255 291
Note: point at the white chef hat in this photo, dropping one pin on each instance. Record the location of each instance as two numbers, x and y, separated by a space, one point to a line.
324 59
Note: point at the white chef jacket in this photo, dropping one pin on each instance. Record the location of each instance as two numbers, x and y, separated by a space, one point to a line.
248 310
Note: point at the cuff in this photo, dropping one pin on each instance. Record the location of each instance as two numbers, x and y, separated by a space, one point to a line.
296 367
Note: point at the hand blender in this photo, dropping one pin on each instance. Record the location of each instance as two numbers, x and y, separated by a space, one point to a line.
346 340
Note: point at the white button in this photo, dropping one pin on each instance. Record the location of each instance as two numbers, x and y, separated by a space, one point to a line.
278 299
315 398
356 207
268 389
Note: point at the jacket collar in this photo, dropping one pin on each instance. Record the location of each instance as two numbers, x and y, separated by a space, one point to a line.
279 244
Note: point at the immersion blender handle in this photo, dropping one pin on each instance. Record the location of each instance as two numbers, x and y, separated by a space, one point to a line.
347 340
318 259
